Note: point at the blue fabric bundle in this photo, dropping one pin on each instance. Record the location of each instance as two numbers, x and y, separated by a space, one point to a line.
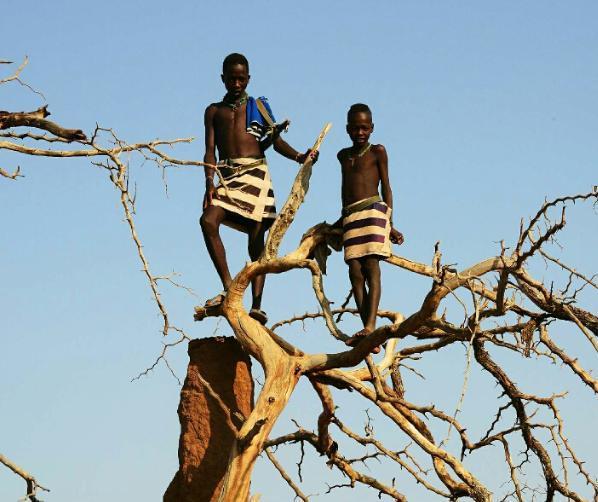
256 124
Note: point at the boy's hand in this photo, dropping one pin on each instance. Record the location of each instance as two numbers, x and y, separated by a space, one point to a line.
209 195
396 237
282 127
313 154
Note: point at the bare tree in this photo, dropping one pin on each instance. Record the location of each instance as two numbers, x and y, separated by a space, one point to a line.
106 151
506 310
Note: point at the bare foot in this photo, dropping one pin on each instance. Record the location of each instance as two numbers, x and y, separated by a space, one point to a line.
358 337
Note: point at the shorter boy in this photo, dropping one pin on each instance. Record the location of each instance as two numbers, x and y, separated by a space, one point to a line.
367 217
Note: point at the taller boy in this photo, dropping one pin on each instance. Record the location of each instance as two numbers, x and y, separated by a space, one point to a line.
240 128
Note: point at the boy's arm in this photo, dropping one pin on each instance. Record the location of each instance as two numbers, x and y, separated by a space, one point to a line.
286 150
382 157
339 223
210 155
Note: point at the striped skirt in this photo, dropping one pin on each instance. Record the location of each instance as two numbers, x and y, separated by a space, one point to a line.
245 189
366 229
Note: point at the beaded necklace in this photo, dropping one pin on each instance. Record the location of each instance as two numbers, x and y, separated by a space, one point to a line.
233 105
360 154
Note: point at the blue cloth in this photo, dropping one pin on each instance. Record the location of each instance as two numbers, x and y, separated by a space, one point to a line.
256 124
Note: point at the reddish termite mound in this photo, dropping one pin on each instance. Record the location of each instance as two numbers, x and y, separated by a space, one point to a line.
206 438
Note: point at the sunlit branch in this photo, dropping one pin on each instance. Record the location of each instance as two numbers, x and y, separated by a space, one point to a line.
12 176
32 484
16 76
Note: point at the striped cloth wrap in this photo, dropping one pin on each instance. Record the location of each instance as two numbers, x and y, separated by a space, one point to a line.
245 189
366 229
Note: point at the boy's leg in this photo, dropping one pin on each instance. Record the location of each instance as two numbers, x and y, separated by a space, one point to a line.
358 275
255 246
358 285
371 268
210 221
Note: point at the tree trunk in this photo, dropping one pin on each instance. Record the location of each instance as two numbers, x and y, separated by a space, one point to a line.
206 437
278 386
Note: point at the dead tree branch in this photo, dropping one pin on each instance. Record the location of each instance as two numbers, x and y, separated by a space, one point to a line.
298 493
32 484
12 176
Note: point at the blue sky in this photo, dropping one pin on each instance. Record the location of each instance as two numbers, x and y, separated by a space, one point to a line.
485 108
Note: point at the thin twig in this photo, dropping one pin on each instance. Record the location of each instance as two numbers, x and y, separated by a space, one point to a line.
285 476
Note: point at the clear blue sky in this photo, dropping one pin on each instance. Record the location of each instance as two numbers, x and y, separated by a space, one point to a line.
485 108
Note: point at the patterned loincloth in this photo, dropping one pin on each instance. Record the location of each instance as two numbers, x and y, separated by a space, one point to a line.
366 229
245 189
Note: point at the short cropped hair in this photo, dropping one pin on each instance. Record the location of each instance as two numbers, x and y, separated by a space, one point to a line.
358 108
233 59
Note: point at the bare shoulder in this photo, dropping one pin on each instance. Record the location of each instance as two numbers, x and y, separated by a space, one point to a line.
210 114
211 108
380 153
342 154
379 149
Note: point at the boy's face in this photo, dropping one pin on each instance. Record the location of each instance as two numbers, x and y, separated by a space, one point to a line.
360 128
235 79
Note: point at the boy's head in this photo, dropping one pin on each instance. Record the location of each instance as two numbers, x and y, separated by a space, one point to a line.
235 73
359 123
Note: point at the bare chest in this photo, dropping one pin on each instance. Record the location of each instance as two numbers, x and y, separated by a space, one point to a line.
230 119
360 168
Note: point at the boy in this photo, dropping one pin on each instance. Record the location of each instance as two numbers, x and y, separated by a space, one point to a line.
240 128
366 219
